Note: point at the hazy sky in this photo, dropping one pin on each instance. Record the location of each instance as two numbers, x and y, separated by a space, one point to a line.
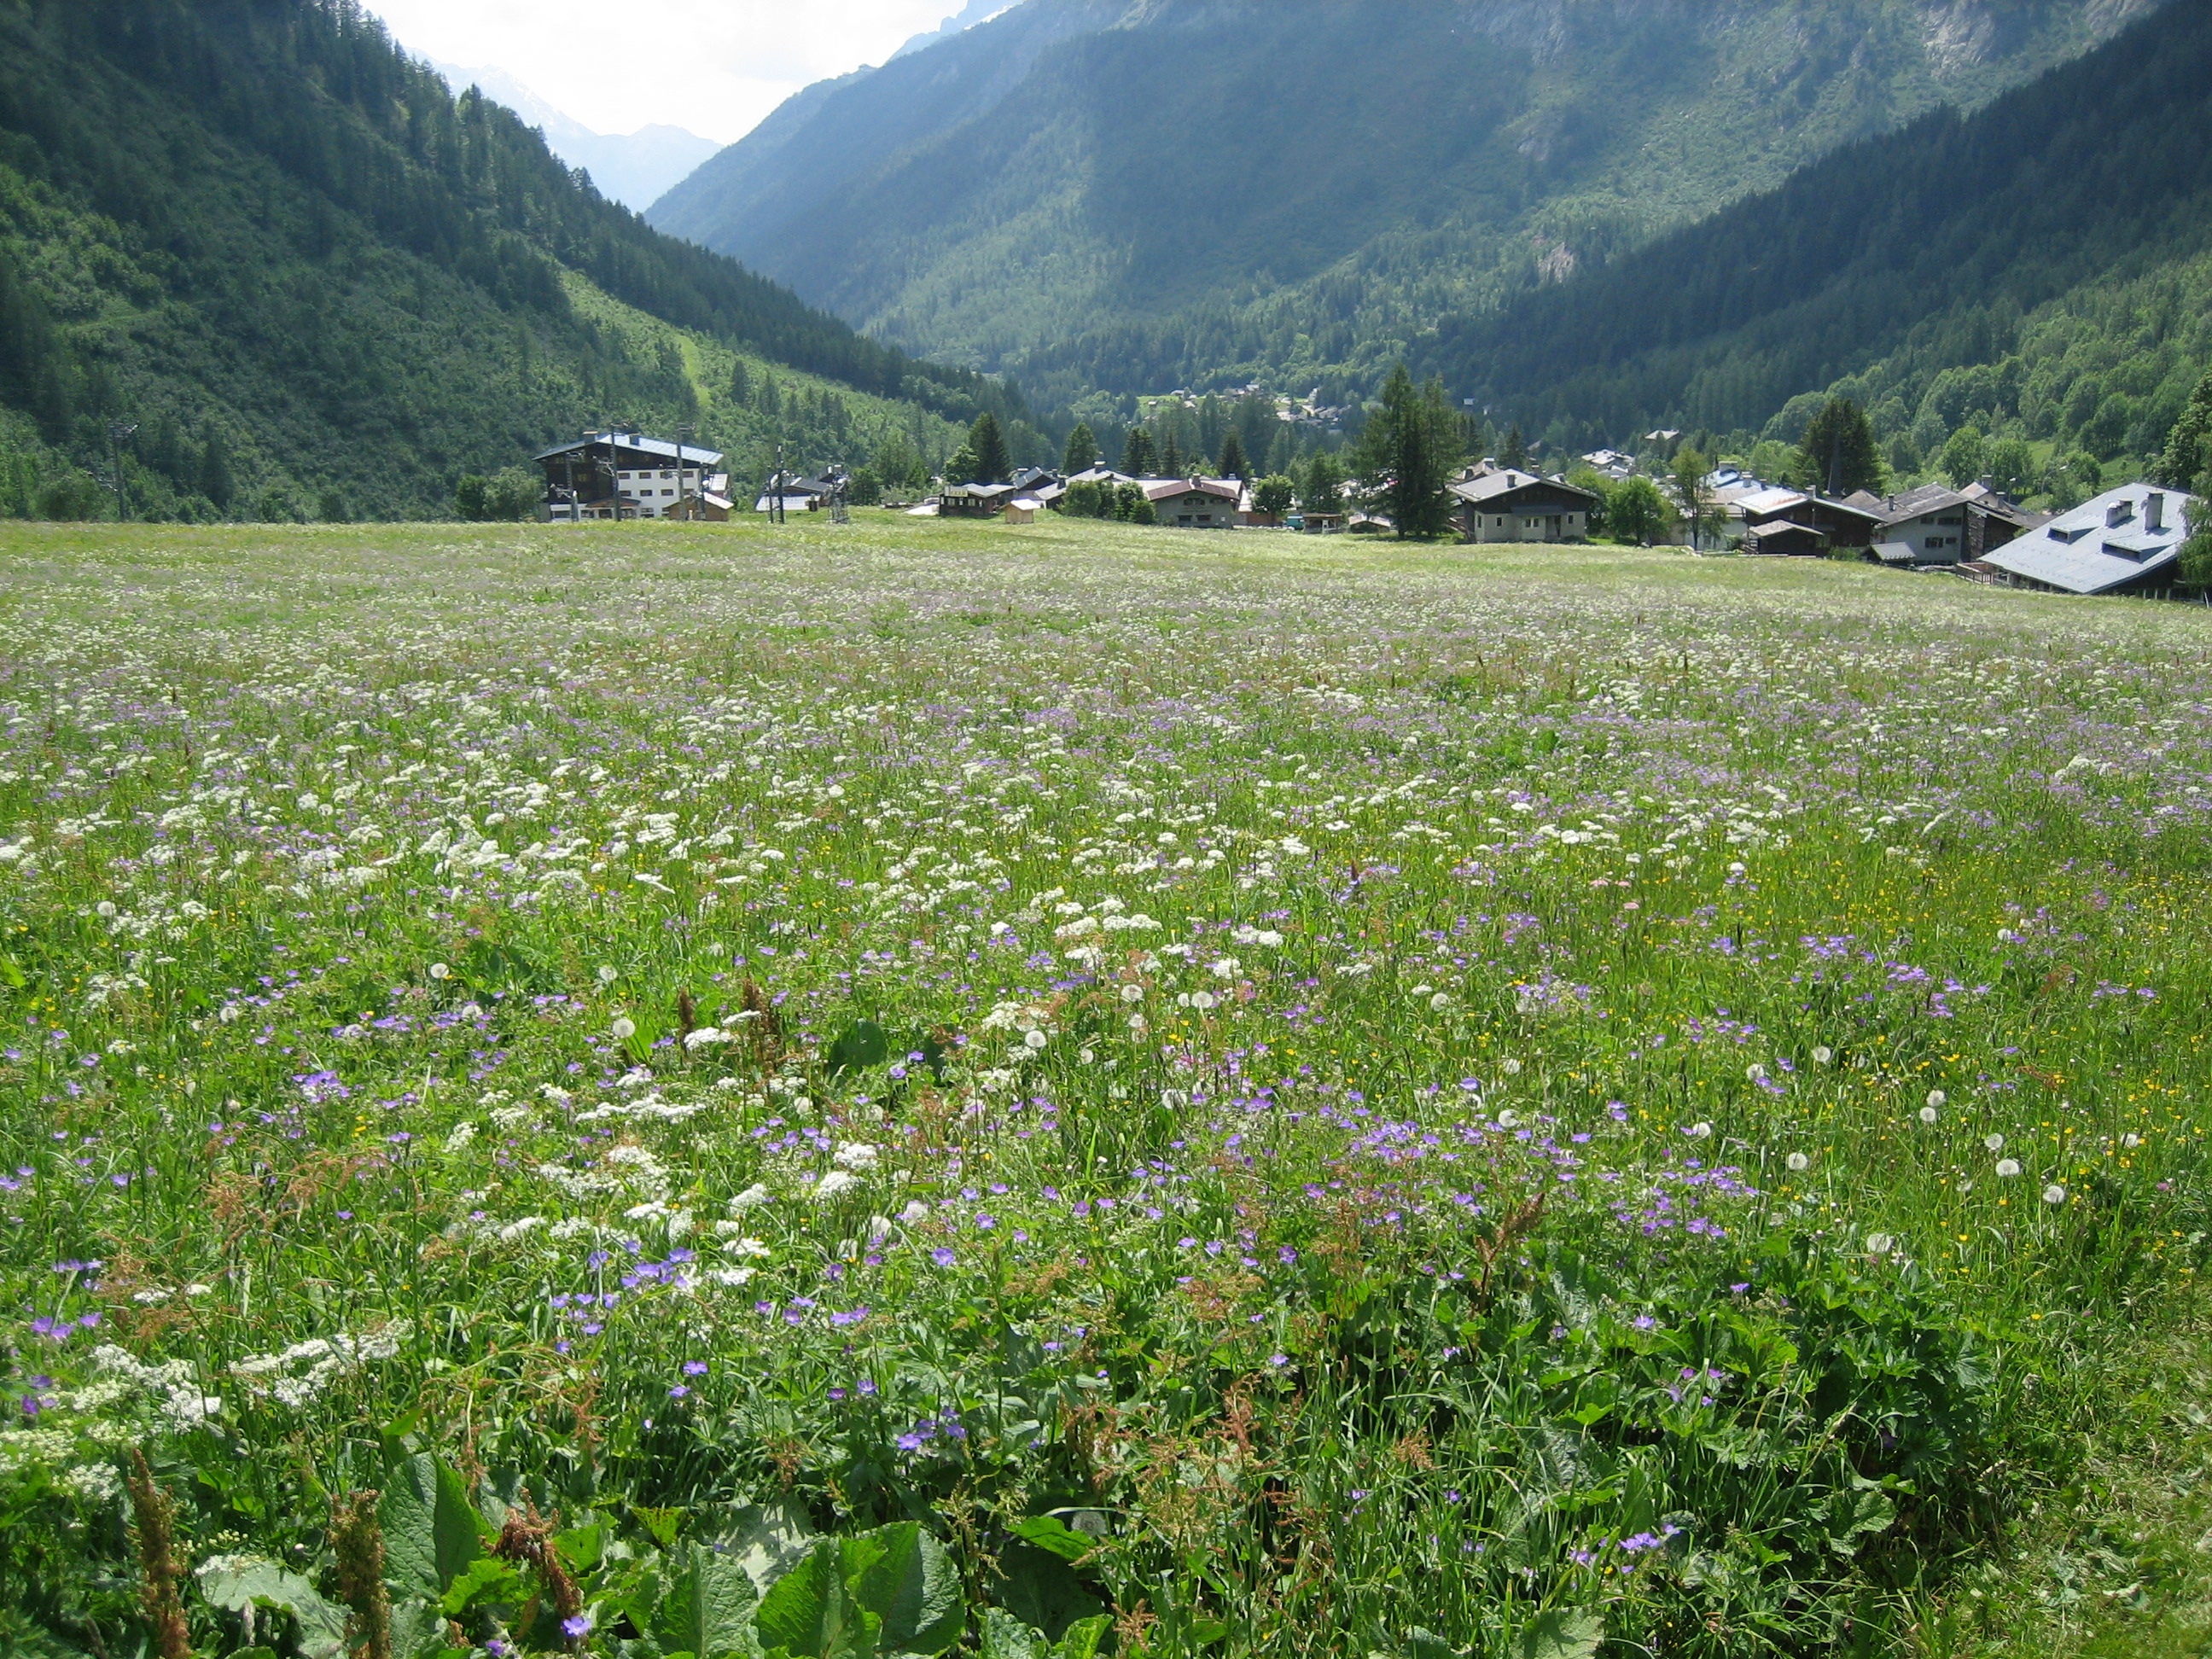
715 66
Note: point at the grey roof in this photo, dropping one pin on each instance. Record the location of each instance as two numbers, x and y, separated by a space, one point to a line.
1489 487
639 446
1896 553
2084 551
978 490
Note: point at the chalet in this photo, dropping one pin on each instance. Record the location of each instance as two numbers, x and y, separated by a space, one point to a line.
709 505
1501 505
1837 523
617 475
974 501
795 495
2127 541
1939 525
1195 504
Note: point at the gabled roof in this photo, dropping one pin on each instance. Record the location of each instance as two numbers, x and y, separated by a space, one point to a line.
978 491
1161 489
1487 488
694 454
2084 551
1895 552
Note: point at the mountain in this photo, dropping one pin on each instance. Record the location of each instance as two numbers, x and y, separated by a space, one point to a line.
977 11
2040 268
1142 194
635 169
318 283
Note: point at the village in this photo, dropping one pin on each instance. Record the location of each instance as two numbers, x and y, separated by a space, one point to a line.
2126 541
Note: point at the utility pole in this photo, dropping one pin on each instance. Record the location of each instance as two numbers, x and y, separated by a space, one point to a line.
682 432
116 432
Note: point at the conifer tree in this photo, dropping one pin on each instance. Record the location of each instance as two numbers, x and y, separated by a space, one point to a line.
1171 457
1233 464
1139 459
1514 458
1839 454
741 385
1082 452
1405 456
1324 484
988 445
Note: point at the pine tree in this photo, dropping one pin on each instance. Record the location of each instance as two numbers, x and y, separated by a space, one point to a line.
1171 457
1139 459
1405 456
1324 484
992 464
1233 464
1082 452
1839 454
1514 458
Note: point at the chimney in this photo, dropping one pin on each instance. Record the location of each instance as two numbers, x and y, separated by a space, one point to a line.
2155 513
2119 512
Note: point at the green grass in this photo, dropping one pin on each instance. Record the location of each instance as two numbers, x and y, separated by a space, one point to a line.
1242 1095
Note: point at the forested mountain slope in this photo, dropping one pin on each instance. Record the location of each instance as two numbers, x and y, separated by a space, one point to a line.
2043 265
1138 194
318 283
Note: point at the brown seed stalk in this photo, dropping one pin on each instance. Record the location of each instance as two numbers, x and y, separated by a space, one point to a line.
155 1521
358 1540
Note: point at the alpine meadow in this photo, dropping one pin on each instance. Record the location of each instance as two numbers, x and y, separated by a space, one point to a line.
1371 829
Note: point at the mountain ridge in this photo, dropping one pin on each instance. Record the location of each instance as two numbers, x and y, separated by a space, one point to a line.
317 282
1004 205
634 168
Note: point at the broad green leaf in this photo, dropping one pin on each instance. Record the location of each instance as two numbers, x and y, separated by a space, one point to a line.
418 1632
866 1044
487 1580
1562 1633
909 1582
1854 1515
708 1608
1082 1640
810 1612
1041 1591
239 1583
1006 1637
13 975
662 1524
768 1541
431 1533
1048 1532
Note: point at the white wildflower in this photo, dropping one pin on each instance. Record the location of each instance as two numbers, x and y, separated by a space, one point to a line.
2008 1167
834 1185
1798 1163
2054 1193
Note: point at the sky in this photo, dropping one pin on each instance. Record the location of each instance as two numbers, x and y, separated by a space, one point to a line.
716 67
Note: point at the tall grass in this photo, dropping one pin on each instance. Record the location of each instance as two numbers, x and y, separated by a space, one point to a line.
1067 1090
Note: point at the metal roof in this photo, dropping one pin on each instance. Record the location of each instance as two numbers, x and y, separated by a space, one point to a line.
1495 486
2084 551
636 446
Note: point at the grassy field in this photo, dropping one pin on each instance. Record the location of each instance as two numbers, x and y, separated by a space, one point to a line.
1063 1091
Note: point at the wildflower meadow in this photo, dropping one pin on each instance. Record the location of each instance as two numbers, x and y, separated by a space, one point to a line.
913 1088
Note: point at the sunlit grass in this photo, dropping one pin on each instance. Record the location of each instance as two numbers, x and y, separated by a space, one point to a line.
1421 1100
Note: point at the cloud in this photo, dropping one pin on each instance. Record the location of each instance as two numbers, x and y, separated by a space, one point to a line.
715 66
